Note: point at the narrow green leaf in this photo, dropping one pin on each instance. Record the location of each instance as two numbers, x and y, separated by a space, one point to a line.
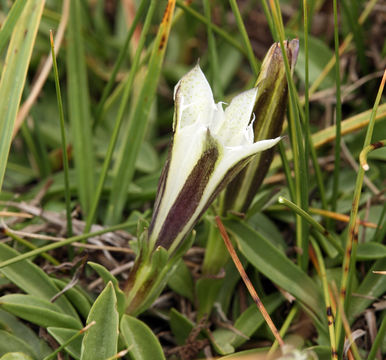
33 280
15 356
244 35
10 343
107 276
349 125
37 311
181 281
101 340
372 286
67 192
338 112
79 108
318 55
377 342
136 131
246 354
143 6
127 89
17 328
275 265
14 74
62 335
181 326
10 22
247 323
207 290
76 297
370 251
141 342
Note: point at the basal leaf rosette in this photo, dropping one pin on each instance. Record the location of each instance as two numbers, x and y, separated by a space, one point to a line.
210 146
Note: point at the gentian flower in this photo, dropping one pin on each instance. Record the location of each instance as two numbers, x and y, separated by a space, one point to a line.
210 146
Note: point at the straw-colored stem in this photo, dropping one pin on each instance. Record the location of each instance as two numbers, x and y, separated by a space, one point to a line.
247 282
366 150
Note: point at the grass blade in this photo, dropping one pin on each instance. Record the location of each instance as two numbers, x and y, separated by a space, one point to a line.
136 130
10 22
127 91
106 91
338 113
244 35
348 266
79 108
14 74
67 191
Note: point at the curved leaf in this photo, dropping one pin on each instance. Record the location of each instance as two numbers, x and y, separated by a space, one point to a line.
141 341
15 356
370 251
372 286
37 311
226 340
33 280
14 74
62 335
10 343
275 265
16 327
101 340
107 276
78 299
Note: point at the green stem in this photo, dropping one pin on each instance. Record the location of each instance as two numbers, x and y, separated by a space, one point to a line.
284 328
228 38
120 116
216 254
326 293
349 260
312 222
378 340
29 245
68 241
67 191
214 67
301 175
106 91
338 112
287 171
244 35
71 339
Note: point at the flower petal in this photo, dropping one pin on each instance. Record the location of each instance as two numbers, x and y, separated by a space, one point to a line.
184 188
193 100
237 118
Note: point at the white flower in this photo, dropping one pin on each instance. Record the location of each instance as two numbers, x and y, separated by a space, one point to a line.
210 146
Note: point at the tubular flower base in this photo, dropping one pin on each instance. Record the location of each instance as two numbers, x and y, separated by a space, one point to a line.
210 146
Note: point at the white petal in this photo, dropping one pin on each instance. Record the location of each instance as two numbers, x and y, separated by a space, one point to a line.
237 118
187 149
194 99
234 154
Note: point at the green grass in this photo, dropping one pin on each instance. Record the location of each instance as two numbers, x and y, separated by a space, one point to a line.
86 162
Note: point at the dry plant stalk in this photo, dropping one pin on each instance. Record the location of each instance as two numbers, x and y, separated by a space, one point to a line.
247 282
